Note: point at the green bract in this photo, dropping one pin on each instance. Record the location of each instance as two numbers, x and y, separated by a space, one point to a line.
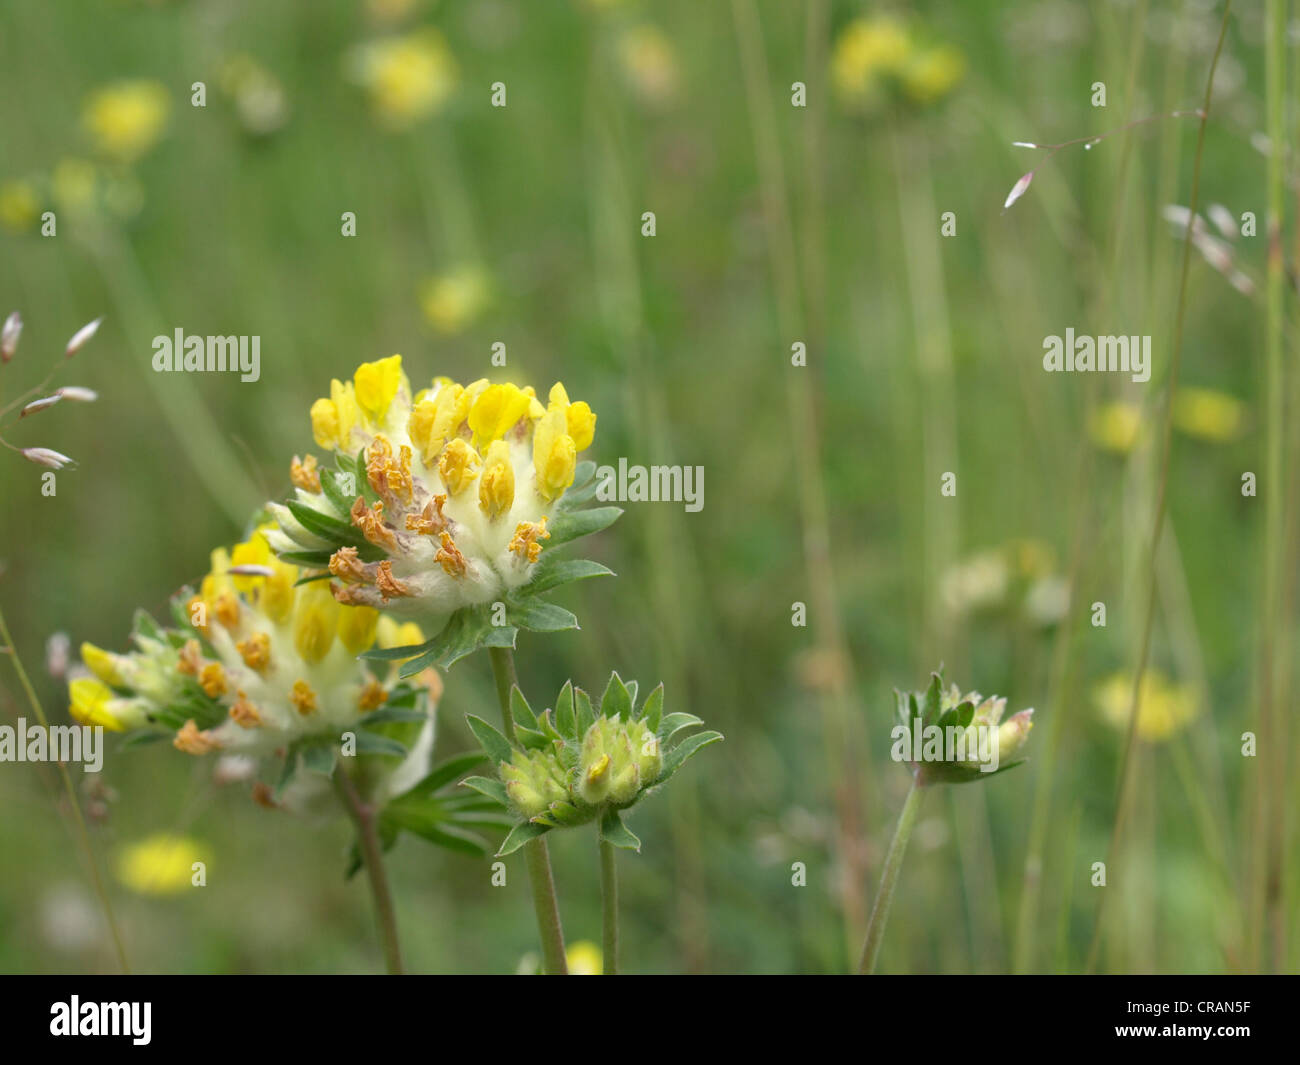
577 764
947 737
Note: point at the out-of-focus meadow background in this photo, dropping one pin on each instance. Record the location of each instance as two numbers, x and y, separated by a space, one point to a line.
775 225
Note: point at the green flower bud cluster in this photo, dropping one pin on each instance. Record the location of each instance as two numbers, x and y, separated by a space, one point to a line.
578 763
951 737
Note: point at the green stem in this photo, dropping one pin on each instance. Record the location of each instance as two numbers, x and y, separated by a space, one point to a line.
363 817
536 854
1127 758
609 908
83 834
888 878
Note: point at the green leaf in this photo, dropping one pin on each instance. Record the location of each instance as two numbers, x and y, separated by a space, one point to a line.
932 701
677 757
901 700
616 701
965 714
652 710
565 721
312 559
326 527
496 745
520 710
332 484
428 820
538 616
521 834
586 716
143 624
444 773
392 654
465 632
553 572
531 739
393 713
613 831
493 789
319 758
674 723
373 743
574 524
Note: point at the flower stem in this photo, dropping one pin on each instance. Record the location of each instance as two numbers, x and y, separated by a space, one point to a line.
609 908
82 833
1127 758
363 817
888 878
536 854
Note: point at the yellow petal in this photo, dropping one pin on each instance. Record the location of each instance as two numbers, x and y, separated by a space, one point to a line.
459 465
496 411
554 454
581 424
376 385
496 493
102 664
89 703
357 625
315 621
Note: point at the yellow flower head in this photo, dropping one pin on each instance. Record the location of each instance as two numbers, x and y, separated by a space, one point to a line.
453 301
450 476
648 63
932 74
584 958
1164 707
161 864
1115 427
867 50
126 119
407 77
19 207
1214 417
879 53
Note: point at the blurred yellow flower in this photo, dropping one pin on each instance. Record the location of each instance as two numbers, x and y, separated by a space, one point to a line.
1164 708
1208 415
880 52
867 50
161 864
19 207
584 959
452 301
932 73
126 118
648 63
1115 426
408 77
256 93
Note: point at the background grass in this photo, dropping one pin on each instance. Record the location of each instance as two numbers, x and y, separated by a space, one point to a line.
924 357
